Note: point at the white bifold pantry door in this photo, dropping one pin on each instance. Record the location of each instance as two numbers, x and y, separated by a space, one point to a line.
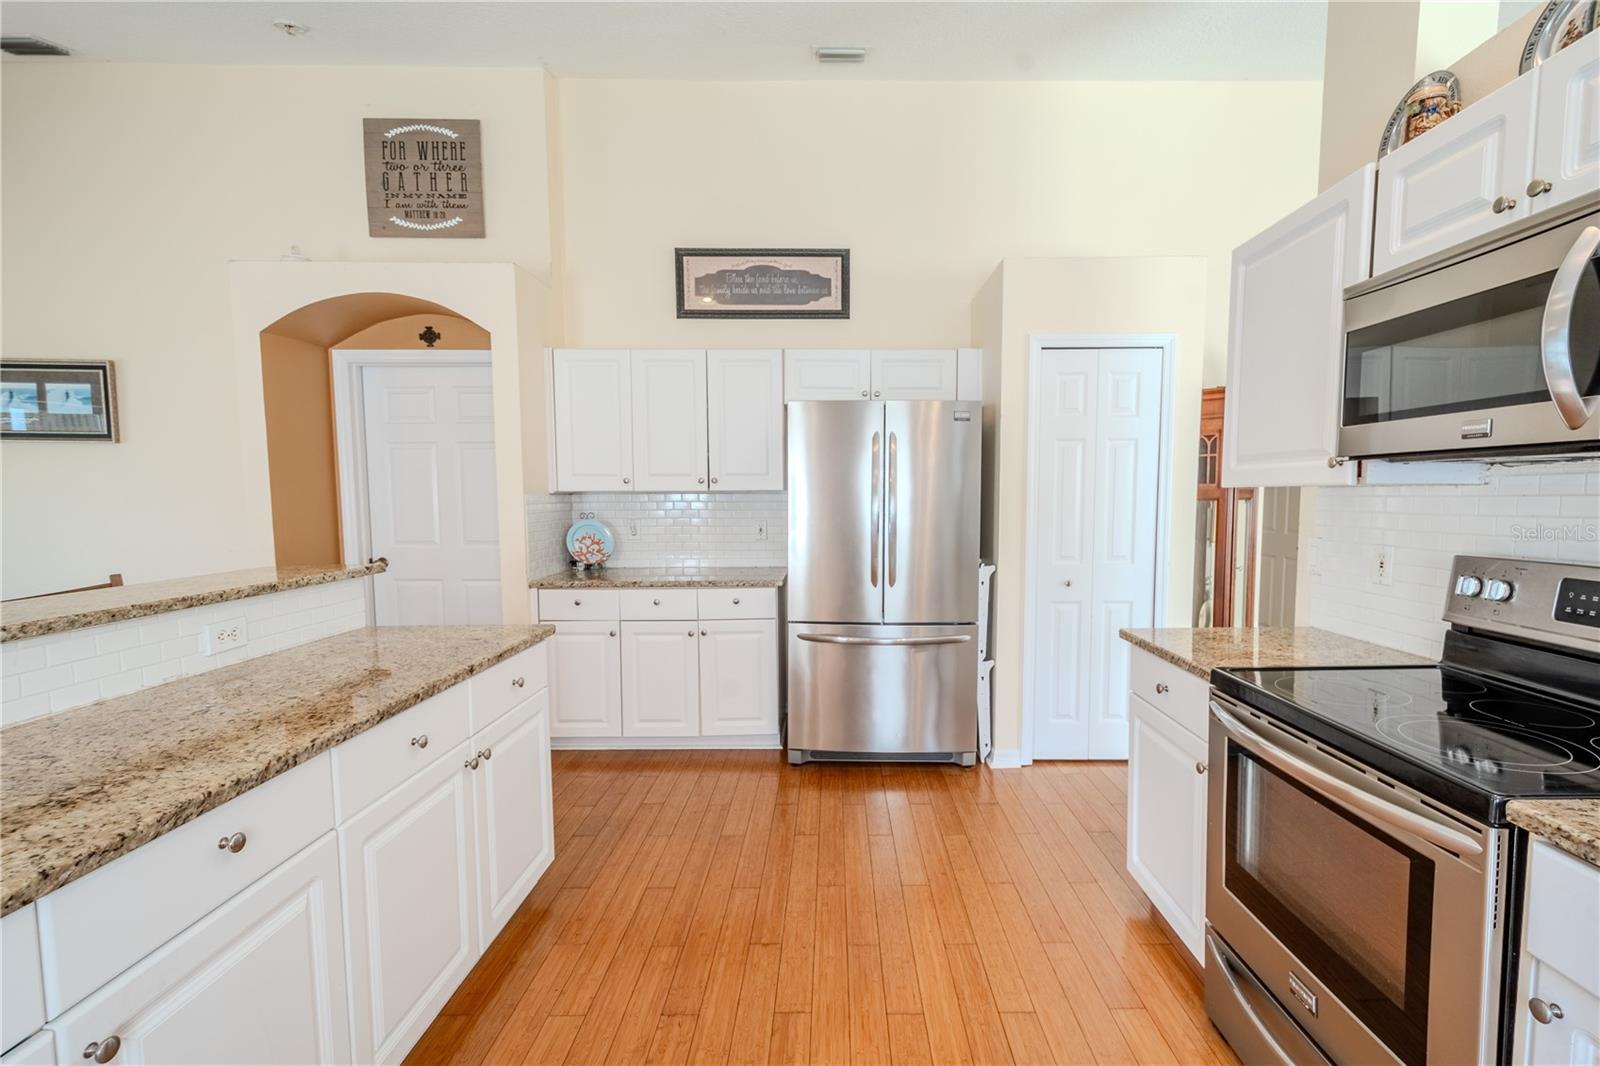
430 494
1093 506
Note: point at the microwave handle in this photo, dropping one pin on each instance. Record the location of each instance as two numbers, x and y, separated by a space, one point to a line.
1555 338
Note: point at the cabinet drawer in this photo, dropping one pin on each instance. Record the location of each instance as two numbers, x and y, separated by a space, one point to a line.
738 603
1174 691
369 765
578 605
20 976
105 921
1563 921
506 684
644 605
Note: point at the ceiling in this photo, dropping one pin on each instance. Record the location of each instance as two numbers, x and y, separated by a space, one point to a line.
1087 41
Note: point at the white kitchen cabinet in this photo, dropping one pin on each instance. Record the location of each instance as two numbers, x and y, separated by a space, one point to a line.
669 421
738 677
827 374
592 405
586 679
915 374
1566 142
744 401
1556 1013
37 1050
660 679
1460 180
513 811
20 976
410 903
1167 819
1286 339
260 979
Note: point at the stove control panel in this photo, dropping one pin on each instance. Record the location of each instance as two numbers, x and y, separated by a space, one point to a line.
1578 601
1549 602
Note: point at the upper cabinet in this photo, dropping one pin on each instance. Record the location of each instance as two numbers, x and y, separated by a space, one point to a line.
827 374
592 407
1566 152
669 421
744 398
1286 338
915 374
1460 180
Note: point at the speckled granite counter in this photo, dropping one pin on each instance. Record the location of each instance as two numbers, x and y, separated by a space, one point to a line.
79 610
1199 651
647 577
1571 825
82 787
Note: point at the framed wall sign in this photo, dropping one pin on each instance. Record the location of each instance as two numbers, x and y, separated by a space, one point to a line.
424 177
58 400
763 282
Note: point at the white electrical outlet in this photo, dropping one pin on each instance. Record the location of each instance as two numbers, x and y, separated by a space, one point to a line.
761 531
1383 566
224 636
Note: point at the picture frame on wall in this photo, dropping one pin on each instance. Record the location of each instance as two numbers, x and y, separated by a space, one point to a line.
763 282
58 400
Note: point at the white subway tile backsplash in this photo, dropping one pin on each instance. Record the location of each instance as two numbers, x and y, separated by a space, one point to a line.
1527 512
674 529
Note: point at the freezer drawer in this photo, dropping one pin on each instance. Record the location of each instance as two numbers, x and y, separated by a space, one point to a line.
884 690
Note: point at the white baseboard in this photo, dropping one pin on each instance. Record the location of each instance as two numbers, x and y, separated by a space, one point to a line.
762 741
1005 758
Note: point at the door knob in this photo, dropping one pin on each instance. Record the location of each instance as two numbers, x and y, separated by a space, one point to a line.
1502 204
1538 187
103 1050
1543 1012
420 741
233 845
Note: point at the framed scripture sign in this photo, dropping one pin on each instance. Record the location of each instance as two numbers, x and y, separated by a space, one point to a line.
58 400
763 282
424 177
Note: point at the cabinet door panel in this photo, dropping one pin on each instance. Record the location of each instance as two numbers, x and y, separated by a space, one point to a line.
826 374
738 678
586 680
410 899
914 374
592 410
261 979
1440 189
669 421
1167 819
660 679
511 793
744 395
1286 340
1566 149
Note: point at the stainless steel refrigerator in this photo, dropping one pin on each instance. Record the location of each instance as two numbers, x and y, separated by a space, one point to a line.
882 591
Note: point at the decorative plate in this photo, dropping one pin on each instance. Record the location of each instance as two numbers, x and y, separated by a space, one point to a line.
1558 25
1426 104
589 542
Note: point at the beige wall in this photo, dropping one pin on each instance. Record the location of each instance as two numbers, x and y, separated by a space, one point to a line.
929 184
399 334
127 189
1084 296
301 455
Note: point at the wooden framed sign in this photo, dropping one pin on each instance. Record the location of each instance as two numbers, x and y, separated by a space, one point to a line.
424 177
763 282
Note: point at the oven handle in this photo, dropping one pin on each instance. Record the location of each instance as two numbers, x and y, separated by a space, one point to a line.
1344 794
1555 338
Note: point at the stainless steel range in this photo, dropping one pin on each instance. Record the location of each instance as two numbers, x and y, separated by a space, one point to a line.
1361 874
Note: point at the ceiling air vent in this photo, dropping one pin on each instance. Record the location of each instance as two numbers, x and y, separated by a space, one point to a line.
836 54
31 46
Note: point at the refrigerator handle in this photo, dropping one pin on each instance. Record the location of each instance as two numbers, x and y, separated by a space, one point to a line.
877 502
894 508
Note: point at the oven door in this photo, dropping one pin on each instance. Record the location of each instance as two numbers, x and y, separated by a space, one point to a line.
1497 352
1367 915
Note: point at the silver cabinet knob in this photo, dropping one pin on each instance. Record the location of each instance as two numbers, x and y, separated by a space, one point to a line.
487 753
1543 1012
656 602
876 393
577 603
627 481
472 763
863 392
700 481
103 1050
713 480
1538 187
736 600
518 682
1067 583
420 740
1161 688
691 632
702 632
1502 204
613 632
233 845
1199 767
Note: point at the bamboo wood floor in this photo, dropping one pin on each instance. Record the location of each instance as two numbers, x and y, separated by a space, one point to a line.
723 907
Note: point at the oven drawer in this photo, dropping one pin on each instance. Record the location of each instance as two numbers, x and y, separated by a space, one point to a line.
1176 692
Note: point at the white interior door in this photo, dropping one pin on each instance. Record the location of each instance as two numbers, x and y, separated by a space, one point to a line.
1092 506
429 433
1280 556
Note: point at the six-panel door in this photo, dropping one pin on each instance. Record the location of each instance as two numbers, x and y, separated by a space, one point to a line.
660 679
744 397
593 404
669 420
586 679
739 677
511 795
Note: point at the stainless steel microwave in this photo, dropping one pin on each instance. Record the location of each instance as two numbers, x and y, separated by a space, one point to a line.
1483 351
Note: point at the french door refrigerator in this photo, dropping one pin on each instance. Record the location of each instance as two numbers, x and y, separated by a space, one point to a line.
882 637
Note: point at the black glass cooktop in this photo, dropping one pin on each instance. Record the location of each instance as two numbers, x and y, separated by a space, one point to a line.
1468 742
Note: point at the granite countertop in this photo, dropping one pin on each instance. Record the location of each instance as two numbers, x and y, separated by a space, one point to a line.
646 577
1573 825
1199 651
79 610
82 787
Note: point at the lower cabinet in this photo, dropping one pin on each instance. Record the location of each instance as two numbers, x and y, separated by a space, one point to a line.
1556 1012
586 679
260 979
660 679
1167 818
512 805
738 677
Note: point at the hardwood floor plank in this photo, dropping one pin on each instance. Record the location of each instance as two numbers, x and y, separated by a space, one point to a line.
1144 1040
799 928
1050 1003
830 987
1010 996
752 1023
869 1022
642 1016
985 1032
774 899
673 1041
791 1040
860 903
900 993
1028 1044
716 1011
908 1040
947 1037
700 943
553 1041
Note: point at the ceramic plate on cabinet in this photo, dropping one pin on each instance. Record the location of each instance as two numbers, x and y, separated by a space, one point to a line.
1430 101
1560 24
589 541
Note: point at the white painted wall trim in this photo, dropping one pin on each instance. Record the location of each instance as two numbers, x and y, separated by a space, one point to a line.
770 741
1037 343
1005 759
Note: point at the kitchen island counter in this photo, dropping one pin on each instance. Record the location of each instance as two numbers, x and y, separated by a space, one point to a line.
1573 825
